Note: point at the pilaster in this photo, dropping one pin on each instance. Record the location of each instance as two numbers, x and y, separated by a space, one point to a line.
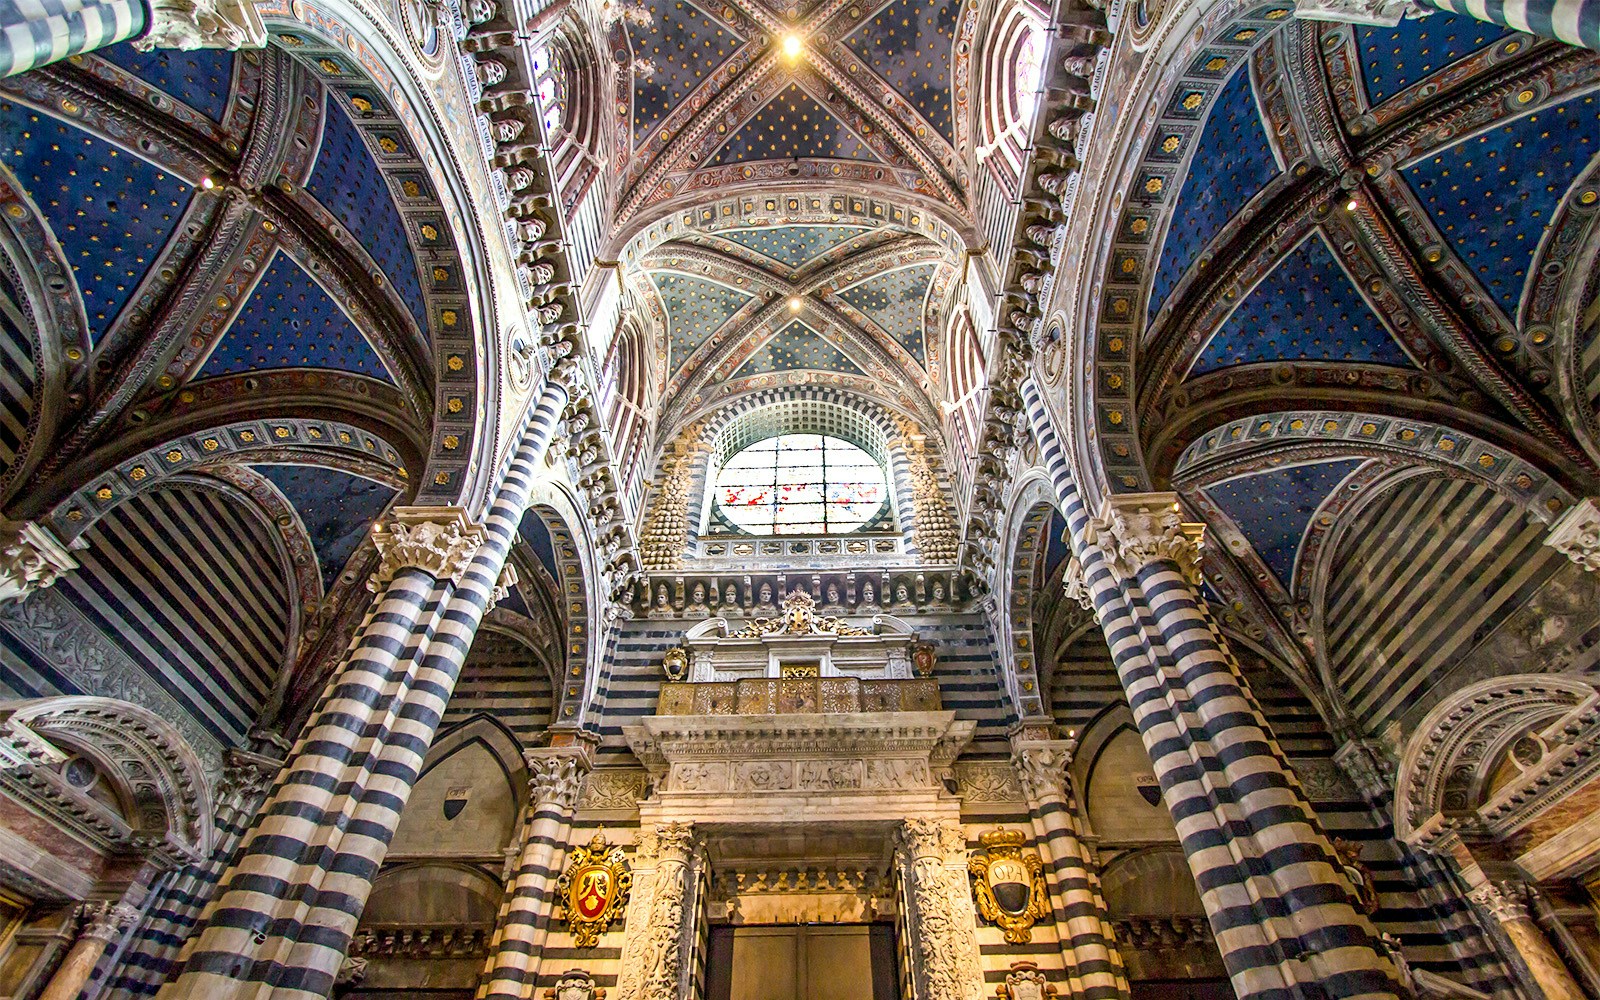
940 918
662 914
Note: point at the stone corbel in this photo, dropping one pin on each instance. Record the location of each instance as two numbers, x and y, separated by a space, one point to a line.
502 588
1576 534
438 540
1076 587
30 559
1378 13
203 24
1137 529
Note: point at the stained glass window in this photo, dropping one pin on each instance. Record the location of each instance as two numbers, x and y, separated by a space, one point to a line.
801 484
1028 67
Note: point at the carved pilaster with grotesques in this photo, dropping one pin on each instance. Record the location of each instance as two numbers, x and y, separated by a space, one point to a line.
940 915
661 916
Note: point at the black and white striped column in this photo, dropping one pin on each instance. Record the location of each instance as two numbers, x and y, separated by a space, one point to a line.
1088 941
172 918
290 903
36 33
555 777
1284 918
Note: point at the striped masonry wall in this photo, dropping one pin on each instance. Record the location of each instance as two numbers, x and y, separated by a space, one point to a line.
1281 911
35 33
292 898
501 679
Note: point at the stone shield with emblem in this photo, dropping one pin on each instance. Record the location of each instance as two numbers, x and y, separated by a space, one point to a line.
594 889
1008 885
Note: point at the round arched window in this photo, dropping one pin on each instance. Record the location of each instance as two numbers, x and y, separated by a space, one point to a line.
801 484
1026 81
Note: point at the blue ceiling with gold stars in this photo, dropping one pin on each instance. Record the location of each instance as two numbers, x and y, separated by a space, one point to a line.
797 346
1493 195
795 246
1272 509
336 508
910 44
290 322
111 211
1306 308
792 125
681 45
696 308
1232 163
895 302
200 78
1393 59
347 182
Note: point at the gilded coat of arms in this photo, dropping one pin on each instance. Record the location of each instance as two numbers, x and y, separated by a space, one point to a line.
594 889
1009 885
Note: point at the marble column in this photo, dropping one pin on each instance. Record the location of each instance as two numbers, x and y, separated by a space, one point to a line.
940 920
103 923
1576 22
1088 941
1286 921
1506 903
555 778
288 906
172 917
663 916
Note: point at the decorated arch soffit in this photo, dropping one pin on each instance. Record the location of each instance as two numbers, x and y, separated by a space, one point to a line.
760 291
1283 158
871 94
268 168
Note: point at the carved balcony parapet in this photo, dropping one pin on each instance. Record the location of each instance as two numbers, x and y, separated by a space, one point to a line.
799 695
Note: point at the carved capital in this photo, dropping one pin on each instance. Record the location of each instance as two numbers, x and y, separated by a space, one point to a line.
1367 766
502 587
105 920
1137 529
30 559
1378 13
921 837
438 540
1076 587
1043 765
670 842
203 24
1504 901
555 774
245 776
1576 534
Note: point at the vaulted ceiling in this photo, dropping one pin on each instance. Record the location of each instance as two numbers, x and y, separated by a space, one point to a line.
863 93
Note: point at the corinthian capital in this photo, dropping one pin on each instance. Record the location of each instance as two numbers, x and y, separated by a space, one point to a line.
1137 529
1504 901
203 24
1042 765
921 837
30 559
1382 13
105 920
668 842
1576 534
555 774
438 540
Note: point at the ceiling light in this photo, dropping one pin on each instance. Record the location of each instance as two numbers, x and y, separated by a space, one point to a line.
795 303
792 45
1351 205
207 183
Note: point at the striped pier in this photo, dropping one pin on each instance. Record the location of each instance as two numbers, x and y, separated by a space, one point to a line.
1088 941
35 33
555 777
291 900
1284 917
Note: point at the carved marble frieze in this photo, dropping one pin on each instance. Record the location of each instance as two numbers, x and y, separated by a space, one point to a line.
866 765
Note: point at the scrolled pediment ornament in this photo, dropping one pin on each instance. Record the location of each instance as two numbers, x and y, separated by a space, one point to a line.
1008 885
799 618
594 889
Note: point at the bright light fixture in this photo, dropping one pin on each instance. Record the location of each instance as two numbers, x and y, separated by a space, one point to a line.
792 45
795 303
1351 205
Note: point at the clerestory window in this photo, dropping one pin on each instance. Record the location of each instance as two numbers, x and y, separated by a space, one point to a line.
801 484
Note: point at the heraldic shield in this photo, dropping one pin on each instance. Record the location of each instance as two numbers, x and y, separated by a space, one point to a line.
594 889
1008 885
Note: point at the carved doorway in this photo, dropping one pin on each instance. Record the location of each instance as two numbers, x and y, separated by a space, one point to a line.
802 962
